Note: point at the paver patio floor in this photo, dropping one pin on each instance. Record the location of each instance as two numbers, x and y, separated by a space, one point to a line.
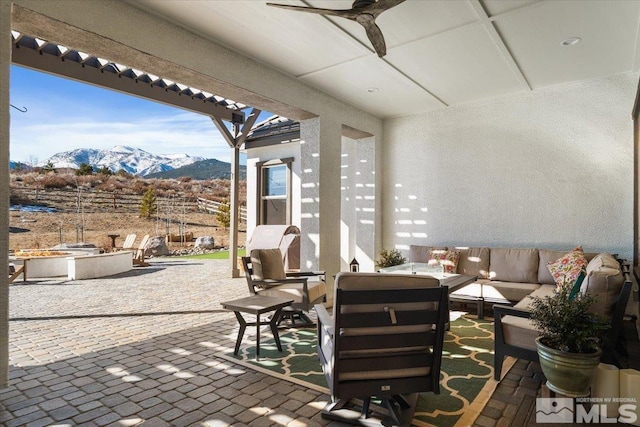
140 349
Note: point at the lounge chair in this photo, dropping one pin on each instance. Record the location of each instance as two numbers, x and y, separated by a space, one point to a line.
128 243
264 270
384 341
138 256
15 272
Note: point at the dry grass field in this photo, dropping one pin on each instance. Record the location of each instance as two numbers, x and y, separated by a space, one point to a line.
89 208
38 230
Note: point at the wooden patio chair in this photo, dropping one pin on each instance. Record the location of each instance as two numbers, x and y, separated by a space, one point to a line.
264 270
383 344
128 243
15 272
138 255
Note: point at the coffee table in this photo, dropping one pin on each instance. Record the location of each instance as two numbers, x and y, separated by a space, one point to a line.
257 305
451 280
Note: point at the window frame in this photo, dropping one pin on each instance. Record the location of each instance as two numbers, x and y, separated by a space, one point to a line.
261 187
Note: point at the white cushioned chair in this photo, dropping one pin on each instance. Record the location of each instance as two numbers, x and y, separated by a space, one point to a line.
385 341
265 274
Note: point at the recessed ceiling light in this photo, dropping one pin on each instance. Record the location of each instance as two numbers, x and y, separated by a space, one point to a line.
571 41
372 89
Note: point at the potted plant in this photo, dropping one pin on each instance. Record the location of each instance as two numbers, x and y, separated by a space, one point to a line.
389 258
569 340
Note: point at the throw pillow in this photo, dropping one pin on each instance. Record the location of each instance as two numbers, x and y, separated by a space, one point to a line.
267 264
566 270
448 259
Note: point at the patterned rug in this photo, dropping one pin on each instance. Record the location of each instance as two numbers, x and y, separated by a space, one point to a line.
467 368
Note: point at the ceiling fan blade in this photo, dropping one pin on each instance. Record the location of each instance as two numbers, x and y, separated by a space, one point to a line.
381 5
375 36
347 13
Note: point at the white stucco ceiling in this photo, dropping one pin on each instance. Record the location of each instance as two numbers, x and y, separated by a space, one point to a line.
440 53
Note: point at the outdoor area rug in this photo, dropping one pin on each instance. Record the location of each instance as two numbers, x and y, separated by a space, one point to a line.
467 368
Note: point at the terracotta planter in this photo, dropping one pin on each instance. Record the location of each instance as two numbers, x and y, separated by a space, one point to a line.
569 374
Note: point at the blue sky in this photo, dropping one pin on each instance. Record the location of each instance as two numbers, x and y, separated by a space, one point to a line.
64 114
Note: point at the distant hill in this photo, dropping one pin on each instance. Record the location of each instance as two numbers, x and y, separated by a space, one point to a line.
18 165
132 160
202 170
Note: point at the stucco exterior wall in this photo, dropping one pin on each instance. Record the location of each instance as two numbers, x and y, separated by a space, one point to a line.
358 205
551 168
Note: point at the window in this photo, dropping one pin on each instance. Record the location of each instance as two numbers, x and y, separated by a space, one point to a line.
274 177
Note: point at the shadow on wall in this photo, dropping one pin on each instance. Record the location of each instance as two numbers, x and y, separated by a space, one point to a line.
504 189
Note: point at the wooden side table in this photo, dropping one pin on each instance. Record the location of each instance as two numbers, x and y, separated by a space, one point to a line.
257 305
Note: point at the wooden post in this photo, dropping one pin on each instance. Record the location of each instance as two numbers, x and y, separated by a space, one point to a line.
233 224
235 141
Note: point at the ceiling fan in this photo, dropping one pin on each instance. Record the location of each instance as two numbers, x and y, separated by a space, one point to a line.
364 12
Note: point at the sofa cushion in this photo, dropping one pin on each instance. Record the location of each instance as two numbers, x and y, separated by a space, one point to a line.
512 291
541 292
474 261
495 292
315 290
566 269
448 259
267 264
419 253
514 265
520 331
604 281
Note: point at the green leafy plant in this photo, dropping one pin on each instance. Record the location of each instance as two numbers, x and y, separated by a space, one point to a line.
565 322
224 214
389 258
84 169
148 205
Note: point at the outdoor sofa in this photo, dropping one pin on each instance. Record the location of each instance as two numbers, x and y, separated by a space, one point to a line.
512 276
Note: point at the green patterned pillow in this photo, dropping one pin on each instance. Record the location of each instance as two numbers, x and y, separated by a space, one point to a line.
566 270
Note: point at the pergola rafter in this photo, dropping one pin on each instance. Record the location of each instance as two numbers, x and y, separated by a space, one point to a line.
39 54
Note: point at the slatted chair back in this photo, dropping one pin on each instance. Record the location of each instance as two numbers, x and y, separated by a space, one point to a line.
388 335
138 257
129 241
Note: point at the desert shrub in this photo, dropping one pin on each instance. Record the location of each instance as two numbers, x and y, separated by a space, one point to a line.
165 184
111 185
124 174
139 186
54 181
184 179
88 181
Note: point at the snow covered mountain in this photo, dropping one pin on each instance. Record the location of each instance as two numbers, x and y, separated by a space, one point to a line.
132 160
